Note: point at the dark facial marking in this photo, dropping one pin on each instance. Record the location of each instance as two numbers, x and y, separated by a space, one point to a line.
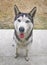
27 21
22 14
17 36
29 35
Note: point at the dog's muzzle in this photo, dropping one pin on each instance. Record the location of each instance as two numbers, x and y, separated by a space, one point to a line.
21 29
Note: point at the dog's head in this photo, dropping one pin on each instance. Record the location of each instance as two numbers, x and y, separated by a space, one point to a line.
23 22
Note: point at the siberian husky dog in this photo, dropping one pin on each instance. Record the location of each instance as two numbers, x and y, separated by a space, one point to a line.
23 29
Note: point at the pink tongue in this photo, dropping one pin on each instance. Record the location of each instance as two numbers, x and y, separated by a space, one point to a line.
21 35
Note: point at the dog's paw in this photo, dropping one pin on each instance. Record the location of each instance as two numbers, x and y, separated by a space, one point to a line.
26 58
16 56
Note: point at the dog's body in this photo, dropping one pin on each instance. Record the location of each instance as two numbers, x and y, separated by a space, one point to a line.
23 24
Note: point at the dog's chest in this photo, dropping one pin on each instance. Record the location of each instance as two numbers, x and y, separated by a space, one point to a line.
22 51
22 45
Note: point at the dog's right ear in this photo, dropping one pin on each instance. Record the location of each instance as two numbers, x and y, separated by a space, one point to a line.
16 10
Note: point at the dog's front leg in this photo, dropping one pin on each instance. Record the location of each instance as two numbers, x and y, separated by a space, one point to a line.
16 52
26 57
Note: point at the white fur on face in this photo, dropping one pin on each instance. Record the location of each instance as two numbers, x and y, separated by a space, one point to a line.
27 26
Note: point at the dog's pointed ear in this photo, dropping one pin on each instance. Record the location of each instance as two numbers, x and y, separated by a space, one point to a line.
16 10
33 11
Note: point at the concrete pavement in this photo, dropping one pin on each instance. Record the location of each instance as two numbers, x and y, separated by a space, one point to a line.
38 50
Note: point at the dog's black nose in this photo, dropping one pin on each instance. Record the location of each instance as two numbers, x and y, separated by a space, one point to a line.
21 29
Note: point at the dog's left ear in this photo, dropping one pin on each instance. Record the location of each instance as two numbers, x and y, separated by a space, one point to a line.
33 11
16 10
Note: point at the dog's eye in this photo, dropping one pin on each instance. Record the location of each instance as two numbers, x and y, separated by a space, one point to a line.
27 21
19 20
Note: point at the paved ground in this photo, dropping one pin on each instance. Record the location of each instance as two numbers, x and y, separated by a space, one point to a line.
38 50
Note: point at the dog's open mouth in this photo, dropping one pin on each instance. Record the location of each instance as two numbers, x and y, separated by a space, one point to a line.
21 35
